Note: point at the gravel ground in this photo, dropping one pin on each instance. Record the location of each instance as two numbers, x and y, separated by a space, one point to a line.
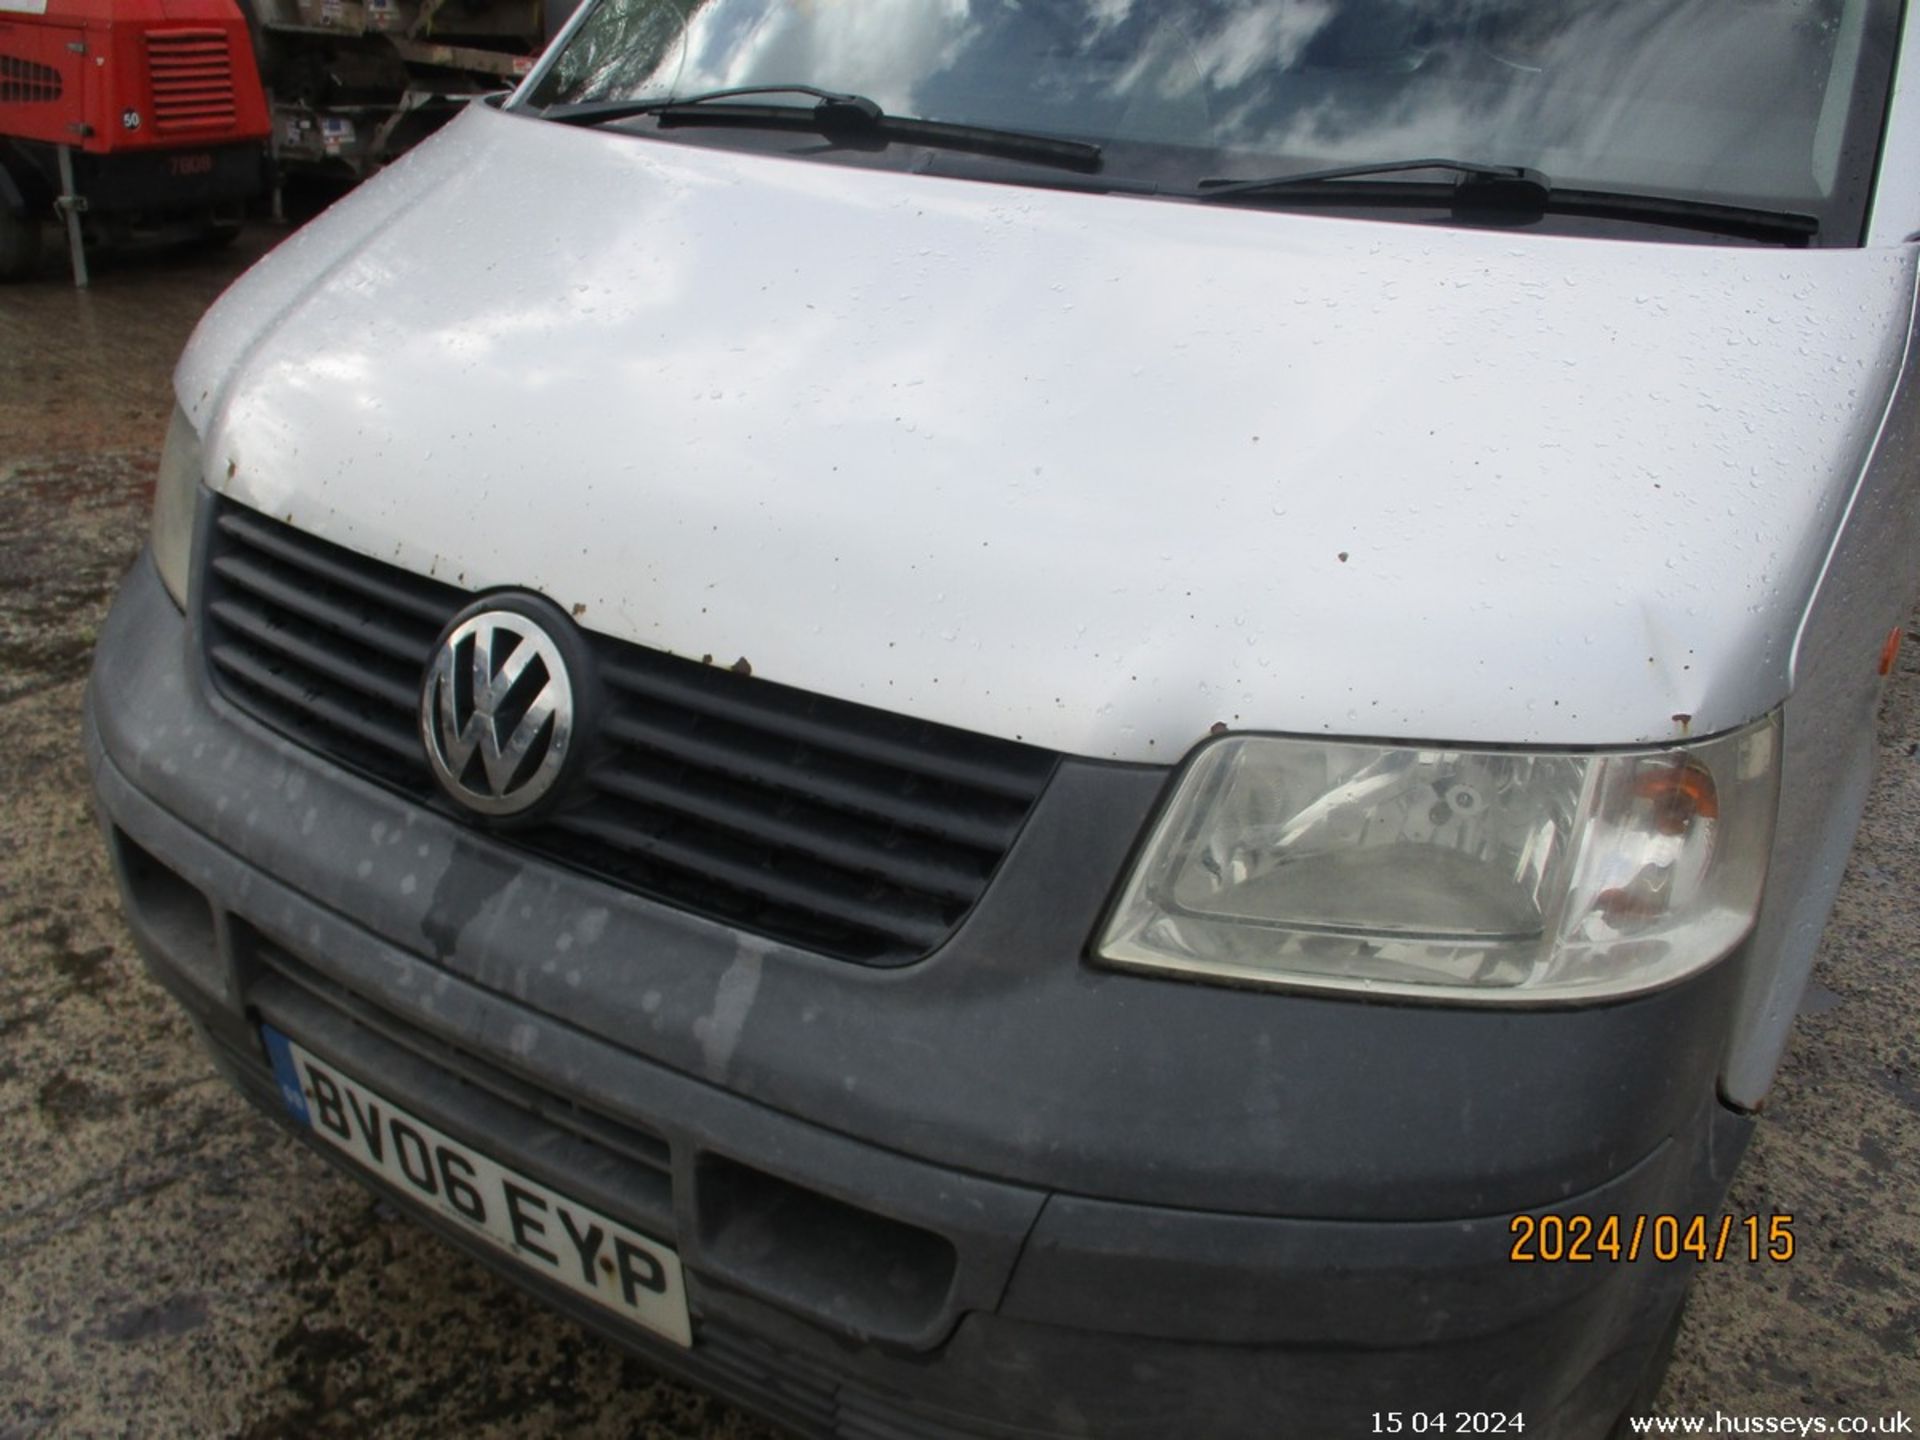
171 1265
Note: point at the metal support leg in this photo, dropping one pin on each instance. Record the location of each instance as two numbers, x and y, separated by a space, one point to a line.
69 204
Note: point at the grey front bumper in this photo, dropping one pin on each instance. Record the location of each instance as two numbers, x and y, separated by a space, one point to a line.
998 1192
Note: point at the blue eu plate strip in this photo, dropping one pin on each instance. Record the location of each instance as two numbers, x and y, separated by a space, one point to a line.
285 1073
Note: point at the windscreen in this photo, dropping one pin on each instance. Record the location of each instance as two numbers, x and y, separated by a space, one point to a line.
1770 103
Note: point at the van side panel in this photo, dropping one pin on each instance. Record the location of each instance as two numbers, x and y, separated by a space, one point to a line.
1864 592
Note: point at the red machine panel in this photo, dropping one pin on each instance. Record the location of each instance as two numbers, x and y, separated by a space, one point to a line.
43 75
116 75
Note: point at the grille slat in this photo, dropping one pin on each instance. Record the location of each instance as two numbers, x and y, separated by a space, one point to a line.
835 898
351 621
945 873
940 759
306 695
310 651
831 825
818 778
386 585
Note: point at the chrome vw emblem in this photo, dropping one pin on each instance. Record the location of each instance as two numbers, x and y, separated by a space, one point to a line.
497 712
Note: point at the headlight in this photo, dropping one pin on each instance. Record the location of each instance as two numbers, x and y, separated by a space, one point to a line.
1453 874
173 496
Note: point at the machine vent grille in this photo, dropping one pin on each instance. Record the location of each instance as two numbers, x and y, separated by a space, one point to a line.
192 72
26 80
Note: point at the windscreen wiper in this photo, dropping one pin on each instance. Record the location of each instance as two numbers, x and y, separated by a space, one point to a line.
1510 182
1512 191
839 116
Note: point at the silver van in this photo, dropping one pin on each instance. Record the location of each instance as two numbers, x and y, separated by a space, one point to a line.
1041 718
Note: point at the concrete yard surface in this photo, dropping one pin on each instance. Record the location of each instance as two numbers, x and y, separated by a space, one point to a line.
171 1264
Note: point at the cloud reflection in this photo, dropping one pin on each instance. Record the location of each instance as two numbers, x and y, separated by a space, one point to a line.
1696 95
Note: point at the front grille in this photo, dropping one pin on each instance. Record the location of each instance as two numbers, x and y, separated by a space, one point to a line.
848 830
192 74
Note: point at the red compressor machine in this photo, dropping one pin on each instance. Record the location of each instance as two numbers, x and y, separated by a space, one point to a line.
124 117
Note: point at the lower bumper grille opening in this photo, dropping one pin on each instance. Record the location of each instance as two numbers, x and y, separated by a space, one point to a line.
166 906
884 1278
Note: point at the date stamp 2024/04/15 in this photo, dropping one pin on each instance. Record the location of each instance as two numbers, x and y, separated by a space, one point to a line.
1594 1239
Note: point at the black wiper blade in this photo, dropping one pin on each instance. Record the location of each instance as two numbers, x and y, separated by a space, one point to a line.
603 112
1485 181
1785 227
841 117
1515 191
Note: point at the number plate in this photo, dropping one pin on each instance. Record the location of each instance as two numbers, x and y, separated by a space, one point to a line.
611 1265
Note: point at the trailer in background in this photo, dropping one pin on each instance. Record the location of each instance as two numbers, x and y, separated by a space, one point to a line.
144 118
354 83
125 119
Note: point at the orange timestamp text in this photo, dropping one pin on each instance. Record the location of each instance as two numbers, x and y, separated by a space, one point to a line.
1600 1239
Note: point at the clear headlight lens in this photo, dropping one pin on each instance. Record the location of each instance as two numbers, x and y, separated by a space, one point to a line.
1453 874
173 499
